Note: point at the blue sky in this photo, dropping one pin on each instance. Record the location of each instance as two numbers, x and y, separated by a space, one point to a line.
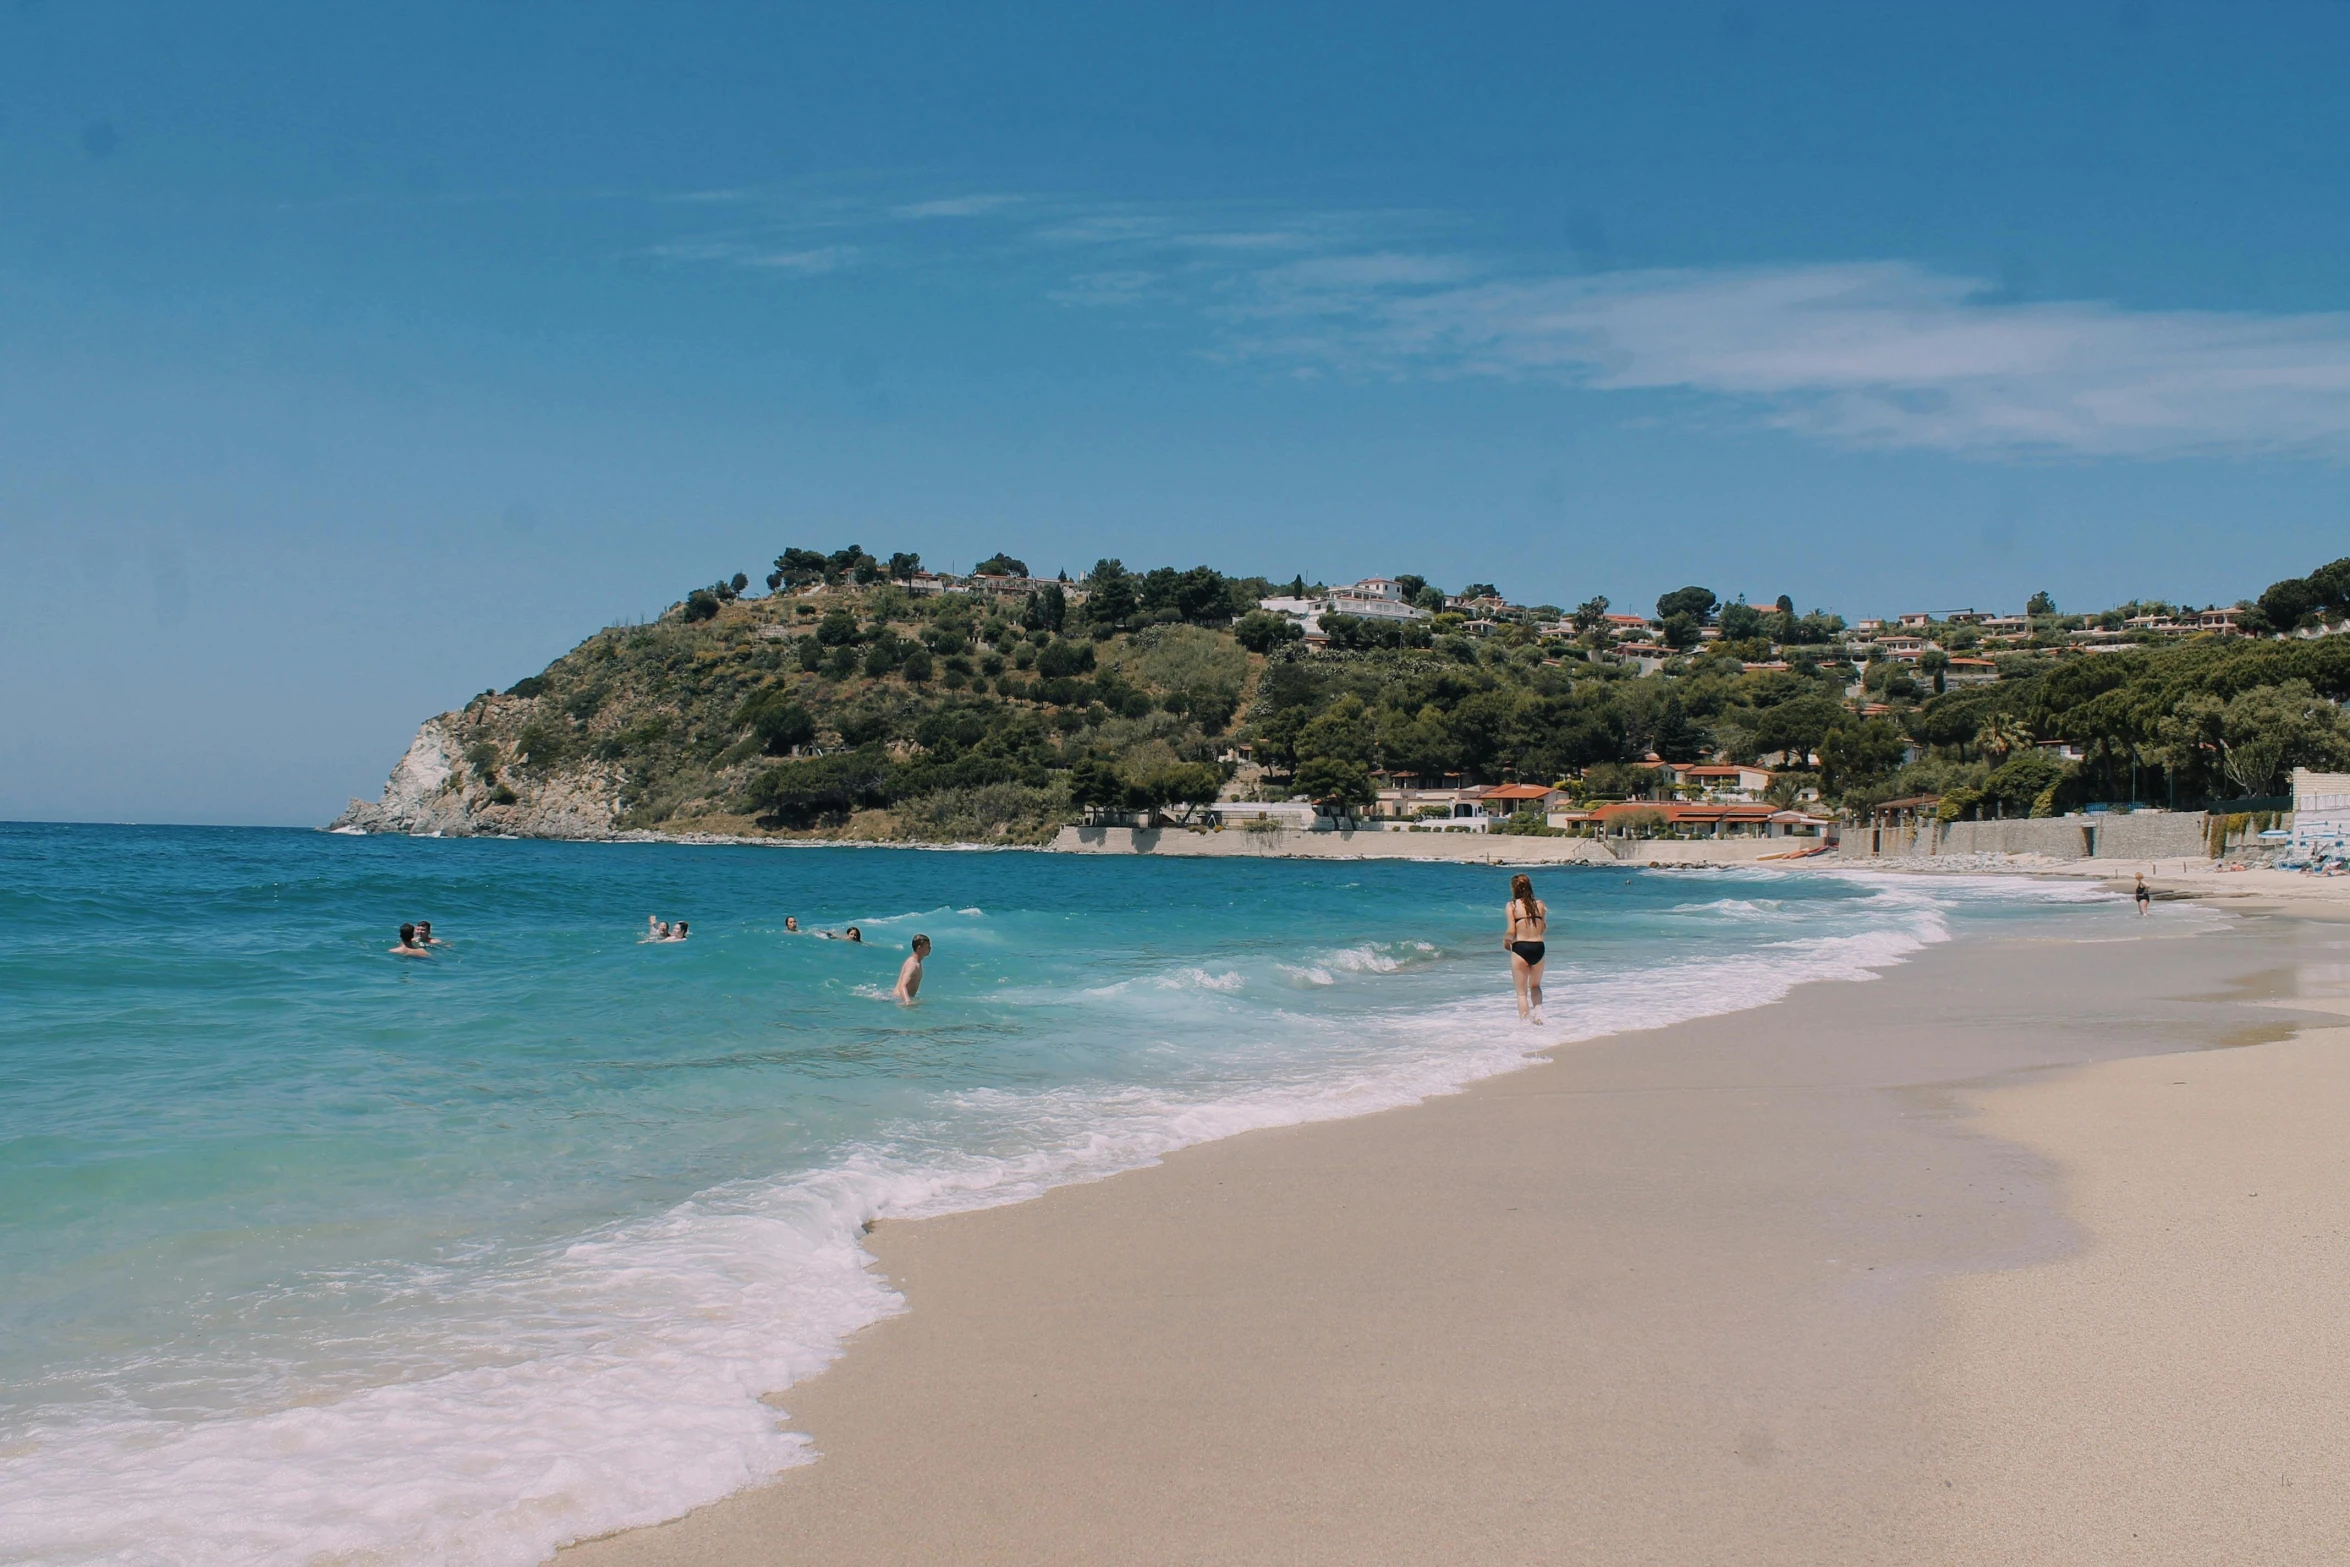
357 362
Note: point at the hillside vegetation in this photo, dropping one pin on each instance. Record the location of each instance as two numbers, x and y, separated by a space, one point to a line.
849 707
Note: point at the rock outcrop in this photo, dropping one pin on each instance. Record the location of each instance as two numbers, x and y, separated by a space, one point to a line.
435 789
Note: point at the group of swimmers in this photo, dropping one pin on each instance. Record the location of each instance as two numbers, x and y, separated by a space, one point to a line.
417 941
909 983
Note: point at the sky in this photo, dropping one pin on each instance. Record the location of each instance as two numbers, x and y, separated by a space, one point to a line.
356 360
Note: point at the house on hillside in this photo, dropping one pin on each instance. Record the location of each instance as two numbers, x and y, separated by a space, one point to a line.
1970 672
1374 598
1722 782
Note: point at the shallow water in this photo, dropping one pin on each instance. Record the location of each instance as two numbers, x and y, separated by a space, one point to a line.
310 1252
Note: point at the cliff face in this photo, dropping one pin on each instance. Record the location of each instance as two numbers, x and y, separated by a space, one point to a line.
433 789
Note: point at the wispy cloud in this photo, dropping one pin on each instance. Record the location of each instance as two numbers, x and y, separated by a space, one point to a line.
1884 355
1874 354
954 207
807 263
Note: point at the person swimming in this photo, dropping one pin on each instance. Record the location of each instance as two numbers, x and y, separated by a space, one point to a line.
910 973
851 934
677 933
791 925
655 930
1529 919
409 946
425 937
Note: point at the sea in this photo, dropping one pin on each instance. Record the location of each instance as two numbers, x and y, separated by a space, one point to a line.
309 1253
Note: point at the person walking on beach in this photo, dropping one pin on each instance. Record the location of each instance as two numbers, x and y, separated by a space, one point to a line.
910 974
1529 918
409 946
2143 895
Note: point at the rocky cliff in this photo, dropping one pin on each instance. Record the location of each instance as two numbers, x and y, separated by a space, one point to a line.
434 789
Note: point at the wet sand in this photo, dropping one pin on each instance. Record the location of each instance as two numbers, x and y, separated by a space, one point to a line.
1755 1289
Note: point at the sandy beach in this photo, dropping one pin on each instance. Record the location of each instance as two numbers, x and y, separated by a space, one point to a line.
1958 1265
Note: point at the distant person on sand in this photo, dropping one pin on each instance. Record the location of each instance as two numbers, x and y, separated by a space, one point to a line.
910 974
2143 895
409 946
1529 918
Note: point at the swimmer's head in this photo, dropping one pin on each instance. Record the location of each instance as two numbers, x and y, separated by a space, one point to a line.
407 935
921 946
681 927
854 934
789 923
424 927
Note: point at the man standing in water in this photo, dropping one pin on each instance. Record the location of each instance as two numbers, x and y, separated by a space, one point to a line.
409 946
910 975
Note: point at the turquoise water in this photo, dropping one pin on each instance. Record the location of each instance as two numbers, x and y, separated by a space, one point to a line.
306 1249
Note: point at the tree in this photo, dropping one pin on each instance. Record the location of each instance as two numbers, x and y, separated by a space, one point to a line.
1335 782
1591 614
2269 728
2290 604
1296 588
1933 661
701 604
1682 631
797 568
1411 586
1480 590
1189 785
1785 605
1111 594
779 722
1697 603
1858 751
2001 734
1741 622
1261 631
916 665
2040 605
903 565
799 794
1000 565
1047 609
738 581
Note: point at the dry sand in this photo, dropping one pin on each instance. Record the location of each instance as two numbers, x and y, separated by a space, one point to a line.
1752 1290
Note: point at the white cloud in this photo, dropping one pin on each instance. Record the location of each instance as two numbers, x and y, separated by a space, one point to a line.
1883 354
953 207
806 263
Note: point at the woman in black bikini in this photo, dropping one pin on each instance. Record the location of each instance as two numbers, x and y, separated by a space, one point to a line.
1529 919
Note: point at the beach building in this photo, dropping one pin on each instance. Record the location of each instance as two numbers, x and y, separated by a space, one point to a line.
2321 813
1726 781
1693 819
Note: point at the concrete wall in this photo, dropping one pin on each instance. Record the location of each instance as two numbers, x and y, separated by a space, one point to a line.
2140 835
1466 848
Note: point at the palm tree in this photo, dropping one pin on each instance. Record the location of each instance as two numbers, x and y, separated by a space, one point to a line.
2003 733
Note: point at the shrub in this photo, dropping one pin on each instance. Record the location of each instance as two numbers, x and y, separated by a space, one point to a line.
779 722
916 666
701 604
527 686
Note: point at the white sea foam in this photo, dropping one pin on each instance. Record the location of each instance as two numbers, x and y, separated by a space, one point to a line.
617 1381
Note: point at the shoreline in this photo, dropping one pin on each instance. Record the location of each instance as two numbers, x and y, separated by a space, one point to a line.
1342 1324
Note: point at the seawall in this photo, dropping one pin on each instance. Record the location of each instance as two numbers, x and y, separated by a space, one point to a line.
2139 835
1466 848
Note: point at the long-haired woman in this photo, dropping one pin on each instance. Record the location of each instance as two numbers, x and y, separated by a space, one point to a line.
1529 919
